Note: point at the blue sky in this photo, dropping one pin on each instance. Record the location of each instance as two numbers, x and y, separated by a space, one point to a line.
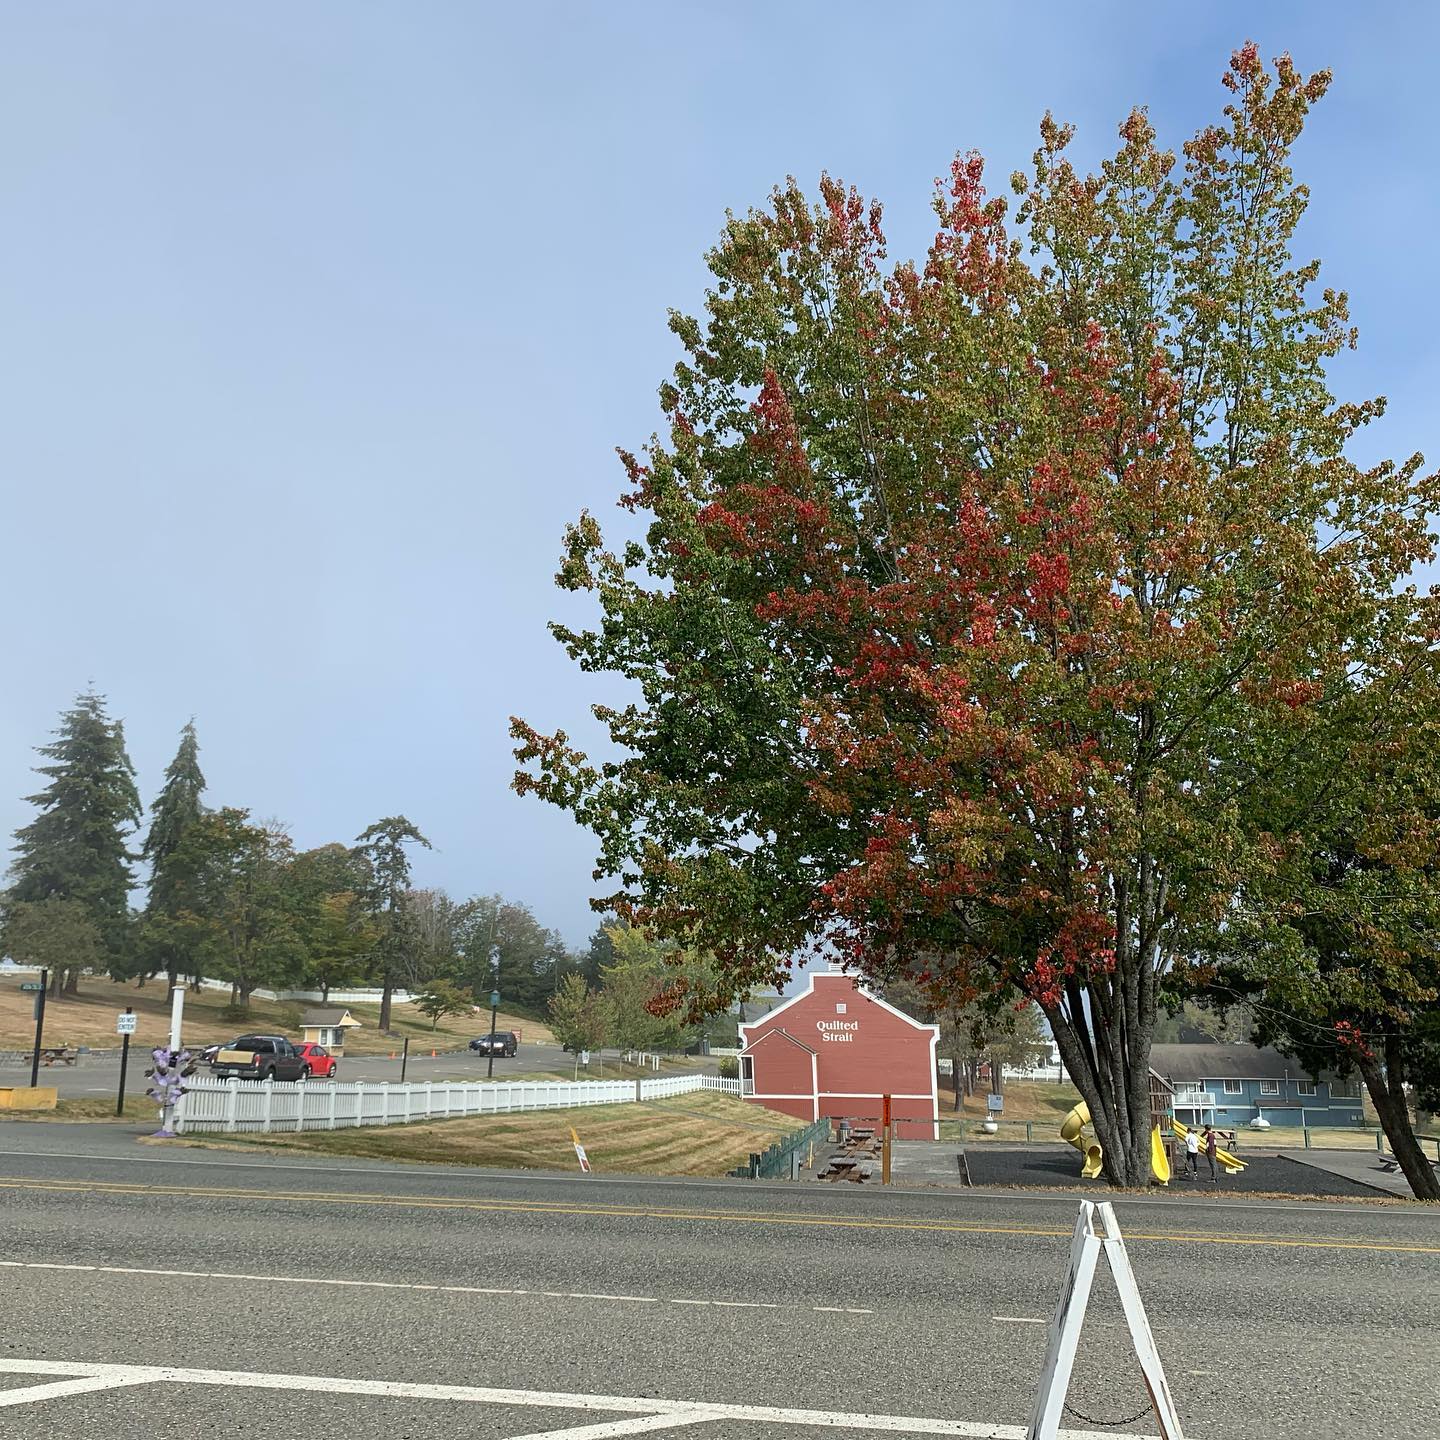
318 323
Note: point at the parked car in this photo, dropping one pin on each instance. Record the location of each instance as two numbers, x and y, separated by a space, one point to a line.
503 1043
259 1057
322 1063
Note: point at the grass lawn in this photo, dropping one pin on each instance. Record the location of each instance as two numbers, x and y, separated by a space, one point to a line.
1042 1104
89 1019
137 1108
698 1134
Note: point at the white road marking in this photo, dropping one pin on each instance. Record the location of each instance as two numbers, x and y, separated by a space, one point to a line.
686 1412
606 1429
414 1285
1017 1320
56 1389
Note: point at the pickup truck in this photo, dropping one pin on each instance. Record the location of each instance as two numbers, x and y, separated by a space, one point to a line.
260 1057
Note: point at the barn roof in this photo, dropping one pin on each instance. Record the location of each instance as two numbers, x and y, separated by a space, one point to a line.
780 1033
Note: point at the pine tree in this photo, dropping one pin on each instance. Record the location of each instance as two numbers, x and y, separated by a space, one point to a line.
177 807
75 848
386 896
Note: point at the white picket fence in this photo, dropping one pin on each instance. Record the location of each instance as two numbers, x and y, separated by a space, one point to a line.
268 1105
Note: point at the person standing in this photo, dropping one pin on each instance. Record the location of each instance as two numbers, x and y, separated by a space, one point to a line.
1192 1155
1210 1148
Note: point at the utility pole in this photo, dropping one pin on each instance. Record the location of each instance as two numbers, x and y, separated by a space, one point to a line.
494 1005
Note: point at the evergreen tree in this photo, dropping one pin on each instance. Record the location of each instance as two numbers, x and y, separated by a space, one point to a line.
75 848
176 809
386 894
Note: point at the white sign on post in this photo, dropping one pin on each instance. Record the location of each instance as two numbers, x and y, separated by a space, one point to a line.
580 1154
1097 1229
994 1103
125 1024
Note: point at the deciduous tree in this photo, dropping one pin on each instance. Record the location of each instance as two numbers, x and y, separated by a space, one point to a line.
969 593
441 998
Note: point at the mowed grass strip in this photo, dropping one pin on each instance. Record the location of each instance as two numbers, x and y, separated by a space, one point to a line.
89 1019
697 1134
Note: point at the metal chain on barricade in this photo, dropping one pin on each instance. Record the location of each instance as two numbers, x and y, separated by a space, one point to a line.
1144 1410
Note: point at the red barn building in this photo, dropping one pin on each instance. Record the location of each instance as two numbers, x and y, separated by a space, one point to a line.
834 1050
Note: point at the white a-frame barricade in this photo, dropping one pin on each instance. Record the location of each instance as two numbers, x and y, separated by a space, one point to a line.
1096 1230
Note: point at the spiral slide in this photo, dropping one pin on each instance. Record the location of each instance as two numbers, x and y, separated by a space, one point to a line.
1072 1132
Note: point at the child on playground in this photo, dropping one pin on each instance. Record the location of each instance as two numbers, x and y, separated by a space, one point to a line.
1192 1155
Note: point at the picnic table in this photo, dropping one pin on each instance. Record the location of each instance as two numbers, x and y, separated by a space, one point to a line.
52 1054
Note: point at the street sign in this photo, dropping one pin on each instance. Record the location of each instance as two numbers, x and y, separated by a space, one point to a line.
584 1057
125 1023
31 985
994 1103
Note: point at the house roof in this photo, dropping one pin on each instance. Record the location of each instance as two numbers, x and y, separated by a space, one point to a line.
328 1015
777 1034
758 1007
1224 1062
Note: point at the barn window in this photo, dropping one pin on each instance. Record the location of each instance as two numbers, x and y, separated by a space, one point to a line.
1304 1087
840 1008
1269 1087
747 1075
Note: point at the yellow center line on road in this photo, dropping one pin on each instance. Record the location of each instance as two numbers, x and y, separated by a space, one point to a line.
638 1212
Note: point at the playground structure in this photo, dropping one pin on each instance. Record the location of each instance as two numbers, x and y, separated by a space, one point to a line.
1072 1131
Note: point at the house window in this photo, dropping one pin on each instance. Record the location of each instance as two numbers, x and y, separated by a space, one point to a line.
1344 1090
1304 1087
747 1075
840 1008
1234 1087
1269 1087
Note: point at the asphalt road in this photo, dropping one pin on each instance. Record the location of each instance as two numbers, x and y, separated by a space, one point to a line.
90 1078
370 1300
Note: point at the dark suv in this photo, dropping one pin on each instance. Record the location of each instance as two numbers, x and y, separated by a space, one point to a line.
503 1043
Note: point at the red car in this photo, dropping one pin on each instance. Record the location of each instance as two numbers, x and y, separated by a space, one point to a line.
319 1062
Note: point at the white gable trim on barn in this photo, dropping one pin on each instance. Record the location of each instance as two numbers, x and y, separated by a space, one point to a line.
765 1024
855 985
813 1097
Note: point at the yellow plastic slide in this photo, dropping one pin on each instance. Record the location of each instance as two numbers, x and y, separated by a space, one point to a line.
1159 1157
1230 1164
1072 1132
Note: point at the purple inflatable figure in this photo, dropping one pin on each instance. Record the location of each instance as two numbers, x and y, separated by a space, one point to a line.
170 1070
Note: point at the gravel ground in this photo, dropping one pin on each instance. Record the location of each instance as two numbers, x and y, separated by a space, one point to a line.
1054 1165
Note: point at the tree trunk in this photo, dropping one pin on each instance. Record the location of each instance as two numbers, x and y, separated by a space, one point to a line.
387 984
997 1074
325 991
56 975
1387 1090
72 980
957 1079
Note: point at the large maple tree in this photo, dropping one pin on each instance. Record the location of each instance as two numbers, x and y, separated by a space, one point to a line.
972 593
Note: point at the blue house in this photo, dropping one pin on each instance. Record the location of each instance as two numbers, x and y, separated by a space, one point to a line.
1231 1085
